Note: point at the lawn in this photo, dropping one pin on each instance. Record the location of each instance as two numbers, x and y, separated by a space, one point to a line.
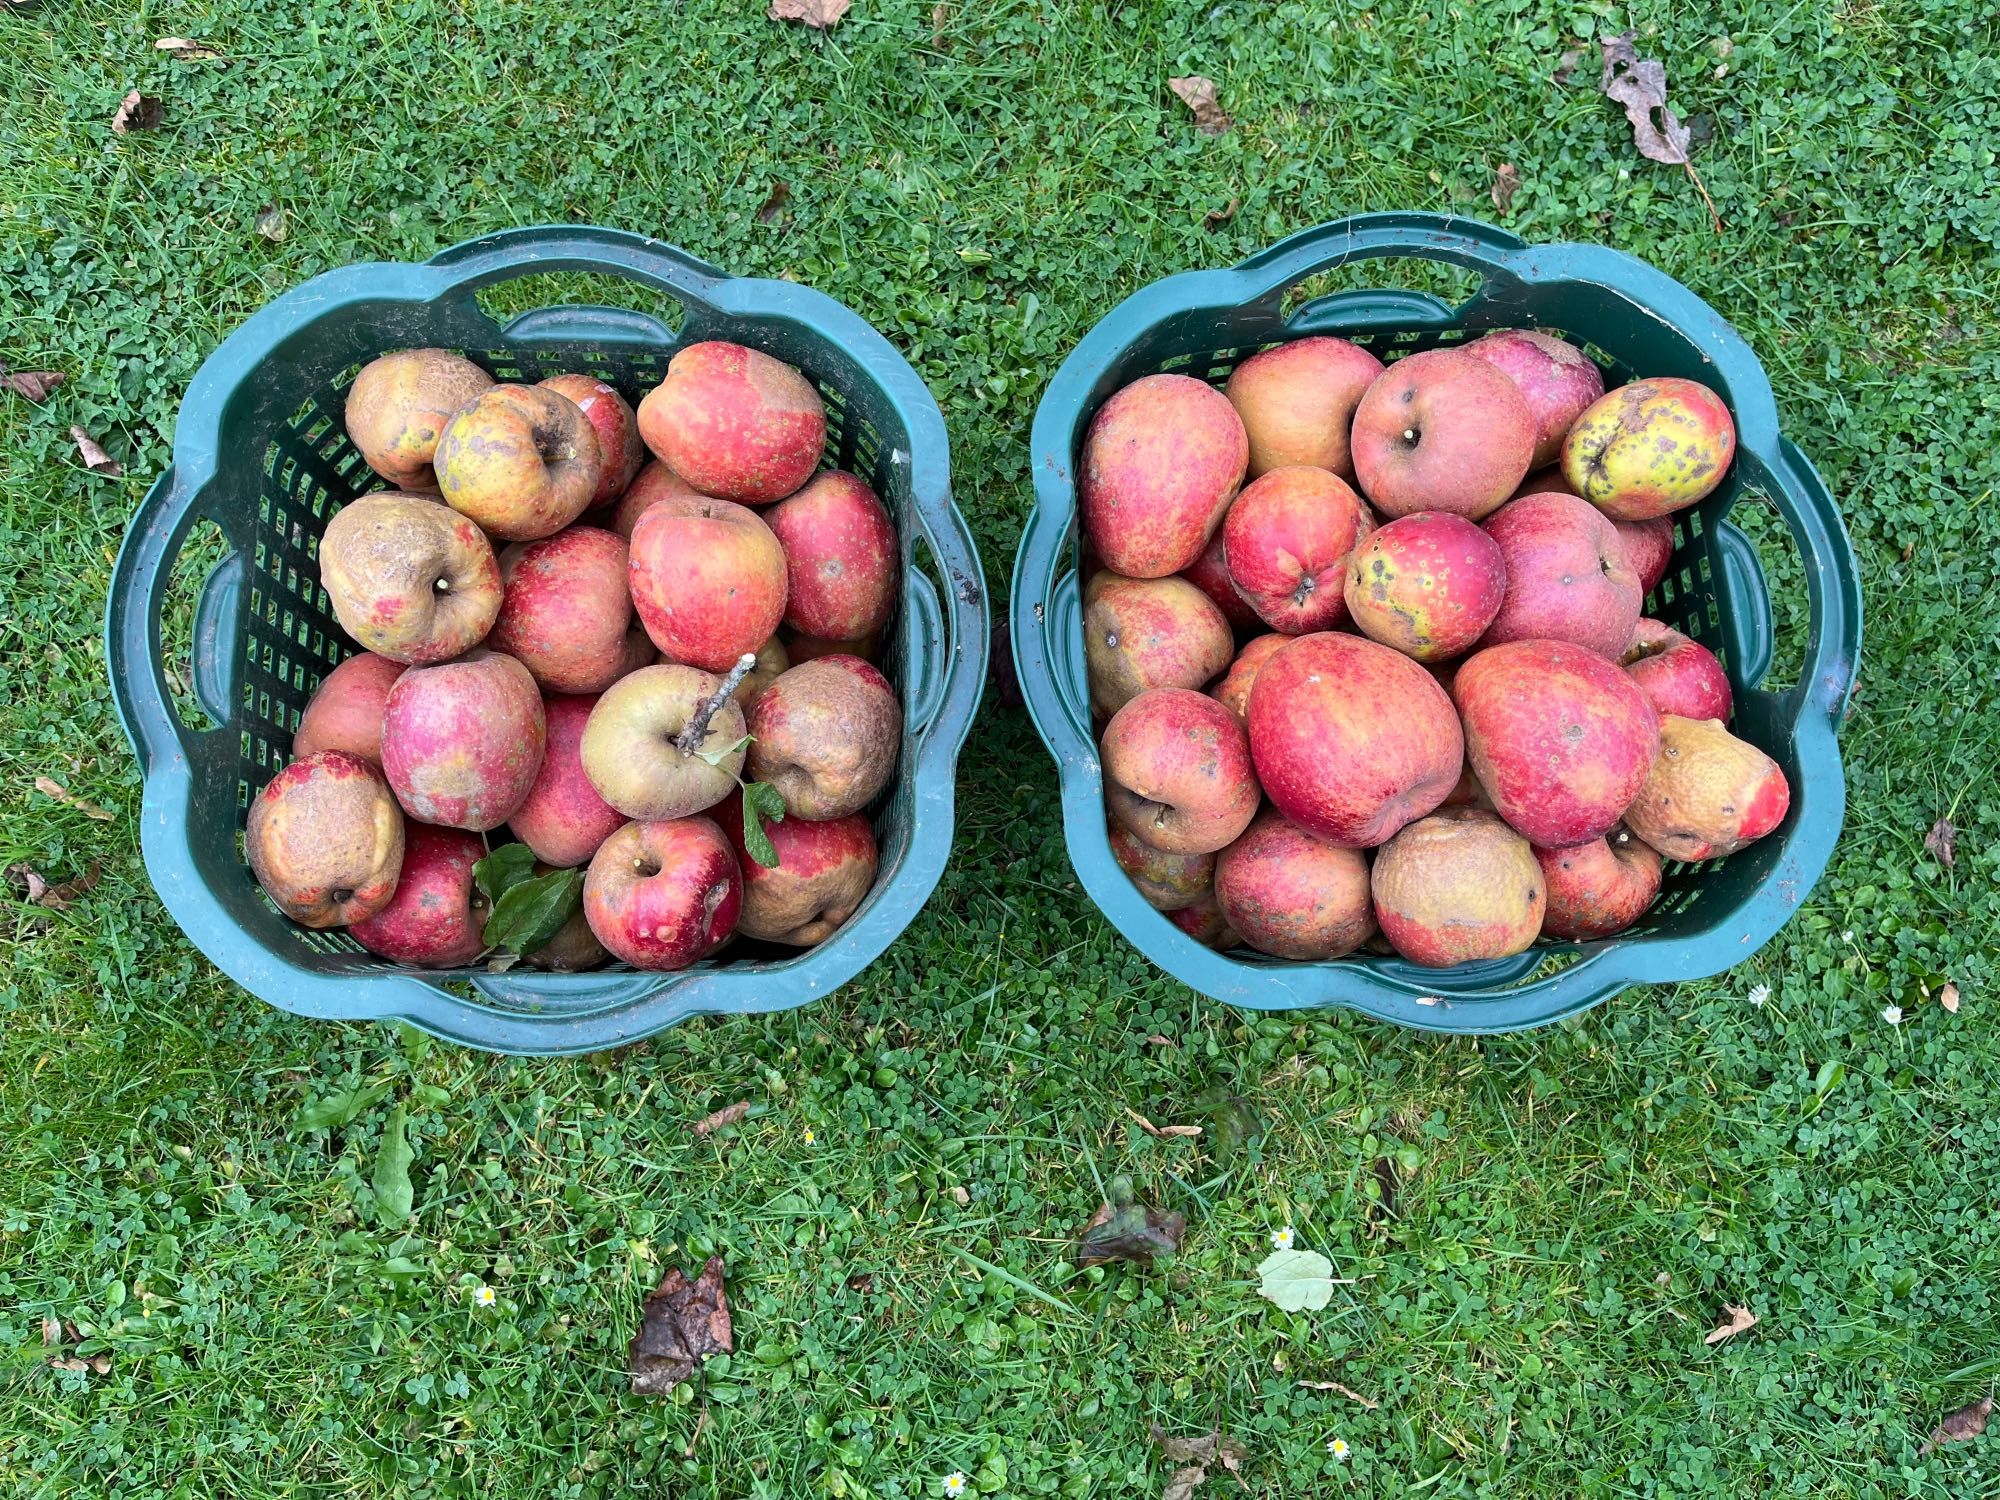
1540 1230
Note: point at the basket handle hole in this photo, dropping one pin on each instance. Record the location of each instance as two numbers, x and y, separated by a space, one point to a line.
1450 284
1784 572
191 609
579 293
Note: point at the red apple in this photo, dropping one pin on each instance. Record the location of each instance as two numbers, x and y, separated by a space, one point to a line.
567 610
1205 923
1210 574
655 482
437 914
1427 585
1167 881
1441 430
1598 888
346 709
1556 379
1177 772
1709 793
1352 740
1233 691
617 427
1650 448
1568 576
564 819
1678 675
462 741
1297 402
325 839
1141 633
1292 894
1286 542
663 895
824 871
840 555
1162 461
708 578
1649 547
1456 887
1560 738
735 423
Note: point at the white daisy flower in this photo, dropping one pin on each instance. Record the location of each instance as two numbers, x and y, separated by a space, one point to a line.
1338 1448
954 1483
1281 1239
1893 1014
1759 994
485 1296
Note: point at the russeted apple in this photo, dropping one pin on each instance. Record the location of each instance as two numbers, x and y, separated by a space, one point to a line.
345 711
462 740
1292 894
1709 793
735 422
1297 402
824 871
826 735
1177 772
437 915
1141 633
1167 881
325 839
1161 462
1458 886
408 578
1441 430
399 406
619 448
663 895
521 461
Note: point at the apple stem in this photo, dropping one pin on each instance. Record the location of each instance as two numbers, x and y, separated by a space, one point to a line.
689 739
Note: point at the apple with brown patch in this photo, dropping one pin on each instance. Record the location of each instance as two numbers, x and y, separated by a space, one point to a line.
1557 380
1292 894
619 447
408 578
1457 887
1177 772
566 611
1441 430
824 872
520 461
1167 881
1599 888
1297 403
1709 793
1141 633
1233 691
345 711
735 423
564 818
1650 448
325 839
1569 577
462 741
1677 674
1161 462
400 404
842 564
1426 585
1286 542
826 735
664 895
708 579
438 914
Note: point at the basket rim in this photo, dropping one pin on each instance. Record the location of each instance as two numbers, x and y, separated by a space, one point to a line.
1472 998
626 1005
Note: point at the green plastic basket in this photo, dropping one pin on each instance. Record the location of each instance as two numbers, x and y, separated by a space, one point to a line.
1634 321
261 451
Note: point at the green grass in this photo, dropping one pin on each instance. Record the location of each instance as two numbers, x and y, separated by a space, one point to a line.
1571 1209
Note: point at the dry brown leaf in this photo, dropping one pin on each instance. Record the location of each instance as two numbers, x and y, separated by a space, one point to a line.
1195 1455
1962 1426
1640 84
78 1365
1942 841
95 458
940 14
1160 1041
1506 182
185 48
35 385
38 890
1737 1320
1215 218
136 111
960 1196
1198 94
1335 1385
818 14
774 205
1948 997
101 1363
682 1325
1164 1132
51 1331
62 794
1126 1229
1566 65
271 223
729 1114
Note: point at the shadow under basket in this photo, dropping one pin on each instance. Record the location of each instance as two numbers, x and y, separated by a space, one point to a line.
1634 322
261 452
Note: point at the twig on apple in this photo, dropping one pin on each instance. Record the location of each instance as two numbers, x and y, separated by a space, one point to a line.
689 739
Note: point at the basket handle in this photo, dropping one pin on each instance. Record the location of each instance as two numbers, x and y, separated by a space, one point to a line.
540 250
133 650
1833 585
1469 243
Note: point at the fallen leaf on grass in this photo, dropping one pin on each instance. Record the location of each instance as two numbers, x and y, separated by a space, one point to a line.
774 205
95 458
1296 1280
729 1114
1196 1456
136 111
62 794
271 223
38 890
1739 1319
1640 84
185 48
1942 841
1506 182
1566 65
51 1330
1948 997
961 1196
1160 1041
1198 94
1335 1385
35 385
818 14
1962 1426
681 1325
1215 218
1125 1229
1164 1132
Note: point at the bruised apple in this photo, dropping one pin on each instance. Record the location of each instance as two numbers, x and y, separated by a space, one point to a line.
1677 674
1167 881
1161 462
826 735
1599 888
520 461
437 914
325 839
399 406
1709 793
345 712
1650 448
1141 633
824 871
1177 772
663 895
1291 894
1426 584
1458 886
1297 403
408 578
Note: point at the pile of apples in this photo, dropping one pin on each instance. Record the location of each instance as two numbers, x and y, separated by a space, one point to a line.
1416 631
504 680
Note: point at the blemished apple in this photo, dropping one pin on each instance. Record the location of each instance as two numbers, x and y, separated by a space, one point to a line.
1160 464
1441 430
1167 881
629 752
1709 793
1677 674
437 914
1556 379
398 406
1649 547
521 461
1568 575
620 450
1561 738
1351 739
462 740
1291 894
1426 585
1232 691
408 578
564 819
1286 542
1210 574
735 423
841 560
345 711
1599 888
665 894
1297 403
573 949
826 735
1650 448
708 579
1141 633
654 482
772 663
1177 772
325 839
1456 887
566 612
824 872
1205 923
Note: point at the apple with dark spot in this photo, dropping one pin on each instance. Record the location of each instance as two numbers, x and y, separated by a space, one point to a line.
438 914
664 895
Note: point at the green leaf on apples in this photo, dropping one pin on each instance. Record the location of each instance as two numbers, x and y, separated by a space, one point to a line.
502 870
760 797
717 756
394 1194
528 914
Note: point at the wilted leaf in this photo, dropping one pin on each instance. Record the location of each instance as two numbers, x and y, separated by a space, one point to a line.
394 1194
62 794
533 911
720 753
1198 94
1640 84
35 385
1566 65
761 800
1297 1280
185 48
1196 1456
1335 1385
1506 182
1125 1229
1215 218
774 205
502 870
136 111
1942 841
1736 1319
95 458
728 1115
1164 1132
818 14
55 895
681 1325
271 223
1234 1123
342 1106
1948 997
1160 1041
1962 1426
